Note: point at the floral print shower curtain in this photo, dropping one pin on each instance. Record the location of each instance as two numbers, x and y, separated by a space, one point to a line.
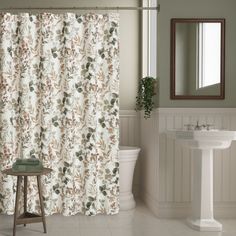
59 77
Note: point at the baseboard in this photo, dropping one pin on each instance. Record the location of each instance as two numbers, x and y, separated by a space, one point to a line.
225 210
183 110
150 202
183 210
174 210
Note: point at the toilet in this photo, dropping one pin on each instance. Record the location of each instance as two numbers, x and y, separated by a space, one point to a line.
127 157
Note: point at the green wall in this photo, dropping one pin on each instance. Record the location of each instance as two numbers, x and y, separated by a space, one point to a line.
196 9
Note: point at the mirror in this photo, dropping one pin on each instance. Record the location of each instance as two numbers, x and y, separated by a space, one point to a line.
197 58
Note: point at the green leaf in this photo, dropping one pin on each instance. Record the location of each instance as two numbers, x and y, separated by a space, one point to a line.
80 90
57 191
78 153
66 181
88 204
65 111
32 152
89 135
79 20
66 164
87 65
111 30
54 187
101 120
89 59
56 124
91 199
113 100
91 130
54 118
114 24
115 170
11 120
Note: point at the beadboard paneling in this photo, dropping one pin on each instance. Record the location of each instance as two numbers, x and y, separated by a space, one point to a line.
178 167
129 128
175 164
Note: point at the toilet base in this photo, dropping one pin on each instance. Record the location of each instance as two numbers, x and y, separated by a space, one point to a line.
127 201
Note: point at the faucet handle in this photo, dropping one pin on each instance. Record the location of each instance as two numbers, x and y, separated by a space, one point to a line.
197 126
189 126
208 126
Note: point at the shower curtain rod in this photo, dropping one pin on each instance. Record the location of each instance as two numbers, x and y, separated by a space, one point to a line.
82 8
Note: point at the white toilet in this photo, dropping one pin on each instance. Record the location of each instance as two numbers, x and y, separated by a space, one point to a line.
127 158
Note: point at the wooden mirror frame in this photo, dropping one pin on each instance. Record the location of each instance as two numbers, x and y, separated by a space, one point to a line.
173 54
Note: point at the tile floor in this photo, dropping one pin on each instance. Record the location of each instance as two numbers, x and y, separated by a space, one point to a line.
138 222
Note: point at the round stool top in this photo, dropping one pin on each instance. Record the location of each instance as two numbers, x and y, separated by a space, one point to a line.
11 172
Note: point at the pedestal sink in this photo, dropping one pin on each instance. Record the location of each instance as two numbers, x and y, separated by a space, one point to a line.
202 143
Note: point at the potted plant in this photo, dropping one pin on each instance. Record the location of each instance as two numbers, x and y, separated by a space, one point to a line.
146 90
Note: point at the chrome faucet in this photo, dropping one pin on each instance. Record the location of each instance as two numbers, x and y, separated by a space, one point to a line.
207 126
198 127
189 126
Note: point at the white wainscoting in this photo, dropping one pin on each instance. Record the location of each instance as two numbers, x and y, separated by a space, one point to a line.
129 128
173 164
130 136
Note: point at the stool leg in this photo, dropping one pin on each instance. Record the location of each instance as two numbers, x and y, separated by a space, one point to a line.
41 202
25 195
19 178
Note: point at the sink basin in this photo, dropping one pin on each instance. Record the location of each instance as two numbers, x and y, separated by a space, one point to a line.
202 143
203 139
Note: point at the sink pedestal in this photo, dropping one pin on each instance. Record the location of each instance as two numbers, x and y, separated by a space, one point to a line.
201 143
202 218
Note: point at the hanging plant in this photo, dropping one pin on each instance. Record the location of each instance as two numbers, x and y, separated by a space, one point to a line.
146 91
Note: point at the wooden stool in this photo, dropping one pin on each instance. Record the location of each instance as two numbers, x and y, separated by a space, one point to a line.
26 217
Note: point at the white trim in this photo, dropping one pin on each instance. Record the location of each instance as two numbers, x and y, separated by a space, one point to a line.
149 39
183 210
196 110
145 39
129 113
151 203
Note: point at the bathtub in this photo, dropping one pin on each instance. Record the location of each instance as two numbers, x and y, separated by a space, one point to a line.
127 157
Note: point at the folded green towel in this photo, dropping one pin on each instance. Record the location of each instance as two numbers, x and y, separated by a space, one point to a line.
27 165
27 168
29 161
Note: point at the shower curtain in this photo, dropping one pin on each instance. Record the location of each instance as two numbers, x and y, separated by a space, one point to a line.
59 78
